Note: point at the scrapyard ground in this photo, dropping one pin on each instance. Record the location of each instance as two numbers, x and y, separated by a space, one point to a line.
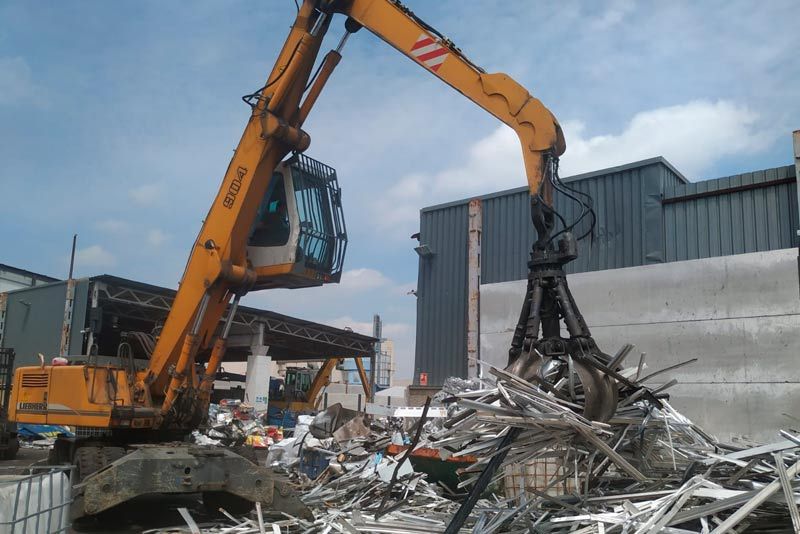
647 469
150 512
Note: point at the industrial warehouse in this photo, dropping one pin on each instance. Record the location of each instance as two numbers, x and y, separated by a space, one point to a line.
595 337
679 269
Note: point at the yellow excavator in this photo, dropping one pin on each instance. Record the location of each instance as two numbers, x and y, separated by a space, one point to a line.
299 392
277 222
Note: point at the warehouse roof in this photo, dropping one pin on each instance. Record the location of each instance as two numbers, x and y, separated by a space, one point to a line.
289 338
133 305
574 178
24 272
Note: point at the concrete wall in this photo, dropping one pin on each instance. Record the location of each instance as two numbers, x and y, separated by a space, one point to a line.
740 315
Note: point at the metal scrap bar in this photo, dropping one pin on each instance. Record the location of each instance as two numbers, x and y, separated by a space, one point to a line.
414 443
480 485
786 484
761 496
621 462
190 522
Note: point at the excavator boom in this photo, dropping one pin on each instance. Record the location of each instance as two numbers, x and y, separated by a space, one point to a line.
218 267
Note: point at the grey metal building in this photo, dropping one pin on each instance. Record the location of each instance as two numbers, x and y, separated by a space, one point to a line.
15 278
32 321
647 213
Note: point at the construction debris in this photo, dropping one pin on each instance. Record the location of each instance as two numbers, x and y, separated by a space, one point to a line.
232 423
550 469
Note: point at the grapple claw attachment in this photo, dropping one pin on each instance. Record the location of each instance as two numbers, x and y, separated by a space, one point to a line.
568 367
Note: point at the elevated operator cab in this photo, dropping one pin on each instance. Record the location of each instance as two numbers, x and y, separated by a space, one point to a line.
298 238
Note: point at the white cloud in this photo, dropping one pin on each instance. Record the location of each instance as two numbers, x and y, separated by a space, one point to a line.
146 194
156 237
94 256
692 136
613 14
362 279
113 226
361 285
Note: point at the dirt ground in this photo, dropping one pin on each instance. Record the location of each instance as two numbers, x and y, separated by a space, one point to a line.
26 457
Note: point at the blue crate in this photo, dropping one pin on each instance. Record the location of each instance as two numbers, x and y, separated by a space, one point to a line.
312 463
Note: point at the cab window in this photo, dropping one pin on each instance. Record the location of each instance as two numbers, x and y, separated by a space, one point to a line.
271 228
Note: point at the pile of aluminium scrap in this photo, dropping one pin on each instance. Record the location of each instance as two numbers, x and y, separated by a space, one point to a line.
648 469
362 489
257 522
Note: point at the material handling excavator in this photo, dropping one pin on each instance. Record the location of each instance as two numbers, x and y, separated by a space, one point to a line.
277 222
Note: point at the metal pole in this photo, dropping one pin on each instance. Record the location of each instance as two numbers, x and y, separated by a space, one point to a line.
3 304
373 387
66 326
796 139
474 288
374 359
796 142
72 256
482 483
95 303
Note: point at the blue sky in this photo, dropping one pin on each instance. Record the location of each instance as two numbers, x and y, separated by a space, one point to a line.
117 121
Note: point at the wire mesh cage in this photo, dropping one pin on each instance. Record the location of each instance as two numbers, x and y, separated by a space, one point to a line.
548 473
36 501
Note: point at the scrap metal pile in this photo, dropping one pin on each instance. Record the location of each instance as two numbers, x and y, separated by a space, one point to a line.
648 469
232 422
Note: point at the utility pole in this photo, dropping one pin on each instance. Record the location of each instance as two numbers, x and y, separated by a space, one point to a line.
474 288
796 141
66 327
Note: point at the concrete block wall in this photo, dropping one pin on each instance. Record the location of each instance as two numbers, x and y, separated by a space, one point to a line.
739 315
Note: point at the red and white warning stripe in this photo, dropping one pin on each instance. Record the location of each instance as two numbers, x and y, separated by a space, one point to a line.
429 52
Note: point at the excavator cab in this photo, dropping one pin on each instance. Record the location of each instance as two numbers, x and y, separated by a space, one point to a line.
298 237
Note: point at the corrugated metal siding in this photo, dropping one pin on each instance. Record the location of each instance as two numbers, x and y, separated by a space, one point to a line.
732 222
441 295
633 228
506 237
625 235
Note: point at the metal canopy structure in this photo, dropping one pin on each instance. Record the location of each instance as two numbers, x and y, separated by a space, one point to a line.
288 338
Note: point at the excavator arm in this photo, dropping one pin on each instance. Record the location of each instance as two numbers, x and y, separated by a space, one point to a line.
538 130
168 397
218 268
